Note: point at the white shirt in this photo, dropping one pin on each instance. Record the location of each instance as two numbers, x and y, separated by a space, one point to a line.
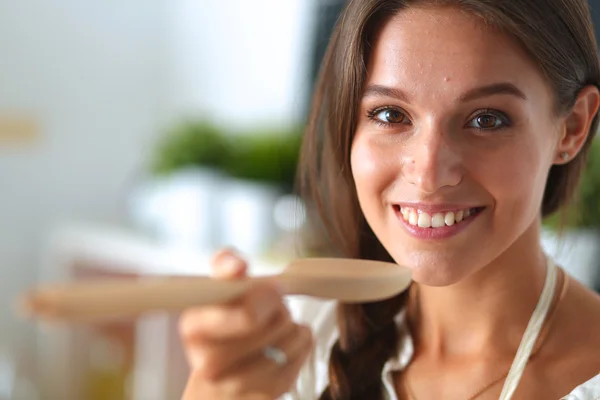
321 317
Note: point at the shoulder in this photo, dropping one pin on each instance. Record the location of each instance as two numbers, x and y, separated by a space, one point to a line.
587 391
573 351
579 323
583 307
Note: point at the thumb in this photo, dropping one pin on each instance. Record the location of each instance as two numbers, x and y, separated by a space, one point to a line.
226 264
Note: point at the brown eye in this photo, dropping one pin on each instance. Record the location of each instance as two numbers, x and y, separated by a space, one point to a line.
487 121
390 116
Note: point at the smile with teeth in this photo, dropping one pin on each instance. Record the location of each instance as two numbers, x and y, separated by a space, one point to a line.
423 219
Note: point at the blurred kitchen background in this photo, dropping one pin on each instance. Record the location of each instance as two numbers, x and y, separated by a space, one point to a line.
136 138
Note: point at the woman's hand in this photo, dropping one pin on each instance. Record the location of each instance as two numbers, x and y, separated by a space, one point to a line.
225 344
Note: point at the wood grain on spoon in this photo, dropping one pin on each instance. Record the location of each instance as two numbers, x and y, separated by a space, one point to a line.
339 279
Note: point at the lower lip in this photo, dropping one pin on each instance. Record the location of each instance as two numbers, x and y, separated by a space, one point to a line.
444 232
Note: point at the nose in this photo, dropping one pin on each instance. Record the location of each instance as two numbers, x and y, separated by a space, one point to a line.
432 161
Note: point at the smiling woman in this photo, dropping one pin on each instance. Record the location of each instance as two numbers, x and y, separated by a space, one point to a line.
442 132
457 125
467 138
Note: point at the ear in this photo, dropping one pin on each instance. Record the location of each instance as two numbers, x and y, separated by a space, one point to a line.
576 125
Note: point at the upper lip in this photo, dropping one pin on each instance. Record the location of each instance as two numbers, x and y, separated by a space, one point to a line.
433 208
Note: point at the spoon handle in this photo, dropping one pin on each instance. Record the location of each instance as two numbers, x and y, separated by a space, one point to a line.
116 299
108 300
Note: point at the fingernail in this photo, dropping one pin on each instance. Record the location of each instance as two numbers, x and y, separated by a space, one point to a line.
232 265
228 266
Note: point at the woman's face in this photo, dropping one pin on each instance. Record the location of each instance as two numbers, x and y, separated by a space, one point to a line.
455 138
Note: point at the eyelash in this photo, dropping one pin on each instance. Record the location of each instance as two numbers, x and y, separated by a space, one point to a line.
504 119
372 114
506 122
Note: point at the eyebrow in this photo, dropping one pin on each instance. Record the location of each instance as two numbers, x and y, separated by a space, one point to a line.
502 88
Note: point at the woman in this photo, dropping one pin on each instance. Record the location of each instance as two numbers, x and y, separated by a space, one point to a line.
442 132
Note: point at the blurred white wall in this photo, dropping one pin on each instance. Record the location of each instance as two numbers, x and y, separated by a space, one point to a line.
240 62
102 78
92 75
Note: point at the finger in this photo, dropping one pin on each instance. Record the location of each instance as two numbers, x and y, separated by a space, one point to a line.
245 387
226 264
215 358
296 344
264 376
237 319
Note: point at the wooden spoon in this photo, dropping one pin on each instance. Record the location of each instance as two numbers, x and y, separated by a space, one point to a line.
346 280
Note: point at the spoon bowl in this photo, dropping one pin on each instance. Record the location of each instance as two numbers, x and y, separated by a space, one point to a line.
346 280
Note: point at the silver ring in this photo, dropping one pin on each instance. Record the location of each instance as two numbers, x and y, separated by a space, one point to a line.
276 355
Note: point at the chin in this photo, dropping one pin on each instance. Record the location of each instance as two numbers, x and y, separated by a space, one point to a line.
435 277
434 269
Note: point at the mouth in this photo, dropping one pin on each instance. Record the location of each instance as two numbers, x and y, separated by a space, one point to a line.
436 220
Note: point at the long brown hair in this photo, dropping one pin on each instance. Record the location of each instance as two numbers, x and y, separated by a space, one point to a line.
558 35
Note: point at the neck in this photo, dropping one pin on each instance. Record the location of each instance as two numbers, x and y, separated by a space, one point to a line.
486 313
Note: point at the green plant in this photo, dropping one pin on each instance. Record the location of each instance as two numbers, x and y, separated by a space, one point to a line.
262 155
190 144
584 213
267 156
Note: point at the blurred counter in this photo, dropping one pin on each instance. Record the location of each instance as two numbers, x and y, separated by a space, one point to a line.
129 360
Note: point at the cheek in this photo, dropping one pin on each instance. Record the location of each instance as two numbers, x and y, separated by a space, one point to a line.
515 179
372 168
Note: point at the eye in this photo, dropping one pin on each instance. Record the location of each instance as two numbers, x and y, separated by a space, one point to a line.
388 116
489 120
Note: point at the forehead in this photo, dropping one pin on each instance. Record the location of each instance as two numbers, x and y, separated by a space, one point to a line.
444 49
